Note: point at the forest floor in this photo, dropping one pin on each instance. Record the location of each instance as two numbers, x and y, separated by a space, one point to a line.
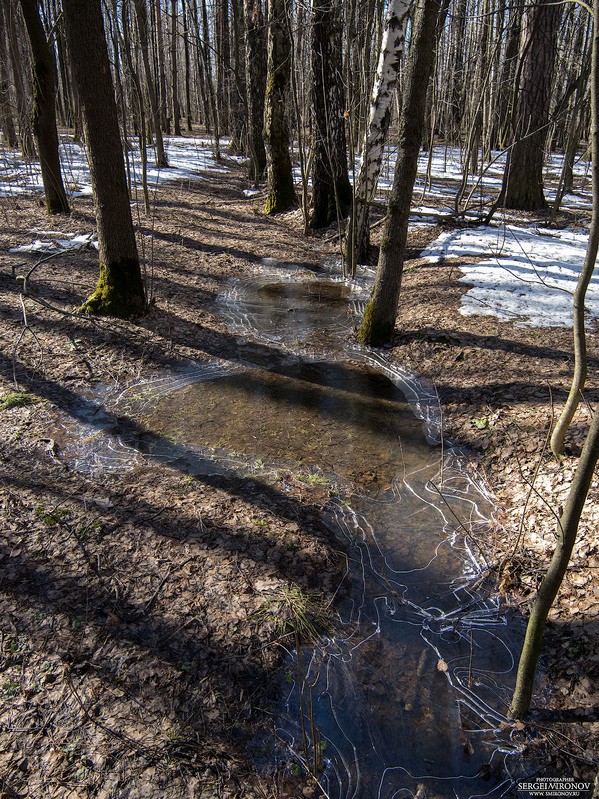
143 614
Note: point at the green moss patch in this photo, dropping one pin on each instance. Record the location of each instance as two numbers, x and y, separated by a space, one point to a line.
15 399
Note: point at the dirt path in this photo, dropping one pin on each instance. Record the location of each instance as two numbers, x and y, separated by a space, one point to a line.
141 613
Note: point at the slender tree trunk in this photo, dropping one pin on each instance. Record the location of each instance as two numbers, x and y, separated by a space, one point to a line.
456 91
223 65
379 318
580 344
392 46
122 82
201 76
161 70
139 97
331 189
281 191
188 110
7 120
507 90
64 111
238 92
8 22
523 177
44 110
175 70
120 290
567 530
255 81
141 16
209 81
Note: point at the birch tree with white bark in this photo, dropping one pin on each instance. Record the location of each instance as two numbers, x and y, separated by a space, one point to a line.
375 135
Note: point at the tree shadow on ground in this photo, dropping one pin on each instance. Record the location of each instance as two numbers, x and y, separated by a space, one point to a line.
460 338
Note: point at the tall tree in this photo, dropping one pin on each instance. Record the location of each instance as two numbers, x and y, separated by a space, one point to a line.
331 189
174 70
209 81
7 120
238 92
157 18
11 29
120 290
381 311
507 89
523 176
141 16
188 112
281 191
44 110
375 135
255 81
223 64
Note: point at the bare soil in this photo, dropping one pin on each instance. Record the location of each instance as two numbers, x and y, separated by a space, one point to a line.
144 614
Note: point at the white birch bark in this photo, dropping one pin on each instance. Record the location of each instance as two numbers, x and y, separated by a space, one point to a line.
392 46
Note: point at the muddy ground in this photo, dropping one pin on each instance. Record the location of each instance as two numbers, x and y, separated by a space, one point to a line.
144 614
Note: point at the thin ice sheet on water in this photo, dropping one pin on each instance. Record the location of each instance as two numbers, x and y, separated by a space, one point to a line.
410 616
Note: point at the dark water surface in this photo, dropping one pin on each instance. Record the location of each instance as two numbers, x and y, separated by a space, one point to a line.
408 698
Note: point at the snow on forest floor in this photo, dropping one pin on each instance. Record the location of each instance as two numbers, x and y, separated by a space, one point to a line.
526 274
497 379
189 158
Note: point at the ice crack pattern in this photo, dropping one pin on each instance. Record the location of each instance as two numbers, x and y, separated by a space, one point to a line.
408 697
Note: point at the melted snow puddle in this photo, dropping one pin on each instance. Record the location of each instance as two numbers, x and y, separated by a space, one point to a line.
408 698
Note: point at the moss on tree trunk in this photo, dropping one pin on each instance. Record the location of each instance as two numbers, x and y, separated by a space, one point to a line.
119 291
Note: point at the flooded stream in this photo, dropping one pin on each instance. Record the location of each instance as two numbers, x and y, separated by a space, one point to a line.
407 699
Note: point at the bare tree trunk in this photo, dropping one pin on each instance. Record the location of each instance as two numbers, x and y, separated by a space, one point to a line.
379 318
281 191
331 189
188 110
120 290
209 82
18 69
200 68
392 46
223 65
139 96
64 109
44 110
141 16
7 121
238 92
162 104
580 345
175 70
523 177
255 80
574 96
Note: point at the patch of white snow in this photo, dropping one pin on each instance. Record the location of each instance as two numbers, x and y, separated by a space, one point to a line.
527 274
